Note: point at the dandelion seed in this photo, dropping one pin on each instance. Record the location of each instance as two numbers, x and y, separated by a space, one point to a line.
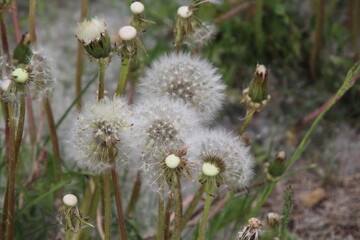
189 79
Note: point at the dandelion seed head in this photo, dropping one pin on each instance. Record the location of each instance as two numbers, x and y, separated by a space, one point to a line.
202 35
189 79
90 30
97 128
224 157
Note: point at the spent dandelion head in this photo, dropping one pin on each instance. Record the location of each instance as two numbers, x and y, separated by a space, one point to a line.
251 231
98 130
160 124
223 156
189 79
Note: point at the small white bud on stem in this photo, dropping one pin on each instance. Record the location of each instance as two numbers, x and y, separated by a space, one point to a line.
70 200
127 33
137 7
172 161
184 12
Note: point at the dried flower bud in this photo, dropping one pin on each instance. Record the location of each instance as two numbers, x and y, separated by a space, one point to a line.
137 7
251 231
95 38
273 219
70 200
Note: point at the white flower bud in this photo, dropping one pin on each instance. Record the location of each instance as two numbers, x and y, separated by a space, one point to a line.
70 200
20 75
137 7
172 161
210 169
184 12
127 33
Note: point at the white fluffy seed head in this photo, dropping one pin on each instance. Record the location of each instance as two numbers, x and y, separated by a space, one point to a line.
222 153
90 30
127 33
172 161
210 169
137 7
184 12
20 75
97 128
70 200
189 79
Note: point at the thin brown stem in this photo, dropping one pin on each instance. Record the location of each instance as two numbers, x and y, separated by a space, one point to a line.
168 216
101 81
30 116
32 27
134 195
107 204
79 56
233 12
178 207
16 22
5 45
122 226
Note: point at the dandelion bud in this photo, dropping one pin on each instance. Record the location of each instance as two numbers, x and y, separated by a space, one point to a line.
127 33
273 219
20 75
94 37
137 7
70 200
22 52
172 161
251 231
256 96
184 12
277 166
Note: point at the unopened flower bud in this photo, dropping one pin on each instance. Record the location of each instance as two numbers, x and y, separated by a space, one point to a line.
273 219
277 166
137 7
184 12
70 200
127 33
258 89
22 52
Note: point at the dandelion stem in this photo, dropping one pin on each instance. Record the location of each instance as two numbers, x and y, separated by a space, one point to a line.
53 134
167 217
194 202
204 219
117 192
178 212
248 117
79 56
5 45
160 221
107 206
120 89
32 31
134 195
101 81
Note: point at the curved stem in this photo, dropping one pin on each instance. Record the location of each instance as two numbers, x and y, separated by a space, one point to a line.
125 66
122 226
248 118
189 211
204 219
101 81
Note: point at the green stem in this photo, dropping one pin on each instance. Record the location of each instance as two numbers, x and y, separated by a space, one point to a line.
178 203
32 29
194 202
9 222
248 118
134 195
167 217
101 81
125 66
122 226
205 216
67 234
107 204
160 221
